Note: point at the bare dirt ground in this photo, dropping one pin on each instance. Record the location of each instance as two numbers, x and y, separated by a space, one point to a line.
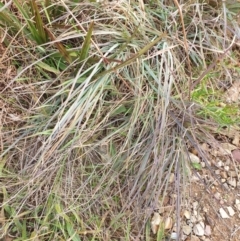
222 229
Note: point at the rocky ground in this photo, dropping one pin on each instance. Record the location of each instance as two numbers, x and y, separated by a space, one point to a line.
214 212
212 208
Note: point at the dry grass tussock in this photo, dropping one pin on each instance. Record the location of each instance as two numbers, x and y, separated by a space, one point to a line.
97 110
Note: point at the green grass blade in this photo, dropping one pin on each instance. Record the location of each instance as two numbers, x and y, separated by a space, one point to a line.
27 17
136 56
48 68
73 234
42 36
10 20
86 43
62 50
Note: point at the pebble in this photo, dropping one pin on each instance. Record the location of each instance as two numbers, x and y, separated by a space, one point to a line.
173 235
232 174
217 195
193 219
224 175
171 178
195 205
217 172
230 211
227 162
210 221
236 155
168 223
194 158
220 164
207 230
203 164
198 229
186 229
235 141
223 213
226 168
199 217
226 186
192 238
232 182
221 201
205 146
205 209
187 214
156 220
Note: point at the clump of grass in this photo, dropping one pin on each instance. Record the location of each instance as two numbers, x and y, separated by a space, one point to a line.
94 106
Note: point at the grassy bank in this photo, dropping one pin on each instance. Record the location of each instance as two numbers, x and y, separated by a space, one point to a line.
100 101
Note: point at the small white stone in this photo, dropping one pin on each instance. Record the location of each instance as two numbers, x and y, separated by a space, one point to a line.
173 235
186 214
203 164
223 213
171 178
207 230
193 219
194 158
205 209
199 217
186 229
230 211
226 168
217 172
195 205
217 195
237 201
232 182
220 164
226 186
221 201
174 229
156 220
168 223
198 229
